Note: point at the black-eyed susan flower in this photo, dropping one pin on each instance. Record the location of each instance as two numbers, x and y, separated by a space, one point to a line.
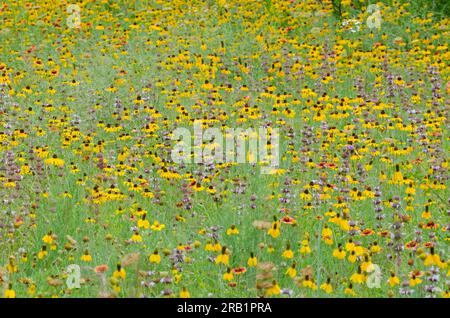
42 253
228 275
232 230
393 280
414 280
119 273
327 287
288 253
308 282
54 160
143 222
349 290
305 248
252 260
156 226
339 252
327 235
184 293
223 257
86 257
273 290
136 237
291 271
274 230
9 292
358 277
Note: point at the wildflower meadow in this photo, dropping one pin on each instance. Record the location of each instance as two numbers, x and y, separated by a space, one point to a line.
224 148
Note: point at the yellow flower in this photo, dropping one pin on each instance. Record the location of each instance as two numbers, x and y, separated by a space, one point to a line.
429 260
11 266
184 293
414 281
359 250
327 235
48 238
213 247
365 265
434 259
119 273
358 278
228 276
155 257
291 271
326 287
232 230
273 290
136 237
9 292
308 283
305 249
222 258
156 226
393 280
349 291
86 257
274 230
252 261
31 290
375 248
288 253
207 85
398 177
143 223
42 253
55 161
339 253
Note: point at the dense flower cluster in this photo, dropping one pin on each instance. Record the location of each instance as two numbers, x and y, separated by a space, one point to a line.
358 207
